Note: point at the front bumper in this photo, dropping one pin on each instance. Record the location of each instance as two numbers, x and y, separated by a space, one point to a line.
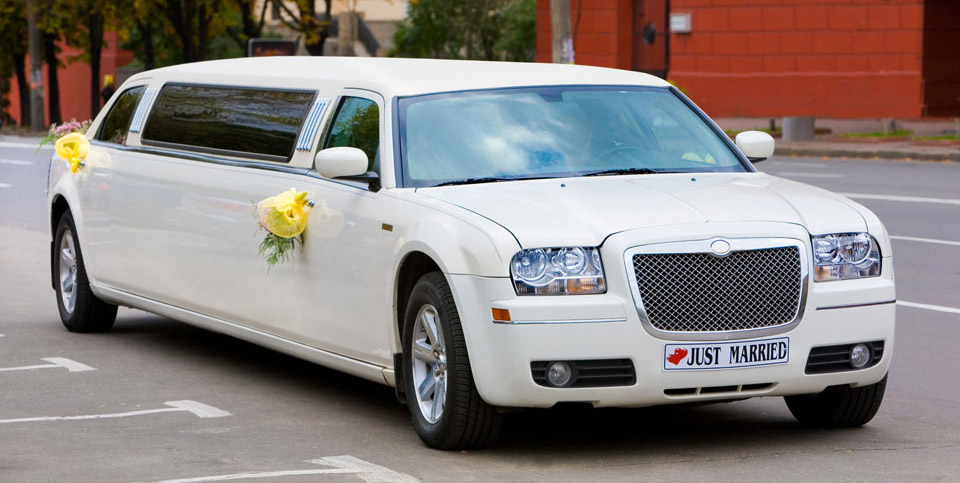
607 326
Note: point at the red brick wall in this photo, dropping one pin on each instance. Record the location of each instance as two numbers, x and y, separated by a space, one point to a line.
941 58
826 58
602 38
75 80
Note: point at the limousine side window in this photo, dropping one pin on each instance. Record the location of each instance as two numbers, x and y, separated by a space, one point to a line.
117 122
357 125
234 121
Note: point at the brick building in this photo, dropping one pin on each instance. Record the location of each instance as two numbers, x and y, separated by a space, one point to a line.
824 58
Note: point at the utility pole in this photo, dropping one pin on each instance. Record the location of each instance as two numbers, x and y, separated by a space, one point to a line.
35 46
560 24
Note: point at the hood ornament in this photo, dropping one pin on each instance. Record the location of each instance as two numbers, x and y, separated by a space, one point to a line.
720 248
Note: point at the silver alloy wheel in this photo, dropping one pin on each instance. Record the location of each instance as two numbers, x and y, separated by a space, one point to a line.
429 364
68 271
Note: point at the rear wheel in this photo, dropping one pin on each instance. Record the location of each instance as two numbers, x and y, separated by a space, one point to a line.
445 407
80 309
839 406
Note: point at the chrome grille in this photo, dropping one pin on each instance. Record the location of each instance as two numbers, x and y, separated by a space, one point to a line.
700 292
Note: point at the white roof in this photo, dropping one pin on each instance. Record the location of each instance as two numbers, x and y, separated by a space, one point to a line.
394 76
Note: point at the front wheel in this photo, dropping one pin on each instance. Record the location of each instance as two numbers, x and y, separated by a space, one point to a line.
80 309
839 406
445 407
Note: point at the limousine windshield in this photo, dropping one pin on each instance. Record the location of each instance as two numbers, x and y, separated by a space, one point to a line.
540 132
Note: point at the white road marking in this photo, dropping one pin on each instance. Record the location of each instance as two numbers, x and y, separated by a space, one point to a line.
938 308
341 465
34 144
811 175
924 240
4 185
198 409
17 162
909 199
54 362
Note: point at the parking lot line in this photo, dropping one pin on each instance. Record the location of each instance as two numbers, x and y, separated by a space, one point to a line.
938 308
4 185
908 199
16 162
341 465
198 409
810 175
68 364
924 240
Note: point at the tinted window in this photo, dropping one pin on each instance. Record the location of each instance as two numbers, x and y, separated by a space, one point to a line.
357 125
117 122
240 120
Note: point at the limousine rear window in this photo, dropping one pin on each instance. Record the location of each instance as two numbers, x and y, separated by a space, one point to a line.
117 122
259 123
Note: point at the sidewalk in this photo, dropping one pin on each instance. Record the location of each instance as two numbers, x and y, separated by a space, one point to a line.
833 144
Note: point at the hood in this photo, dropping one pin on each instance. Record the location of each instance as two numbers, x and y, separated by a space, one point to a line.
585 211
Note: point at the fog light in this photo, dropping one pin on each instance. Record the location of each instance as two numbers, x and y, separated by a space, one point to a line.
559 374
859 356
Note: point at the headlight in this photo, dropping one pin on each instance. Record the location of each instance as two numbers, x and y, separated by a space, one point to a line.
845 256
558 271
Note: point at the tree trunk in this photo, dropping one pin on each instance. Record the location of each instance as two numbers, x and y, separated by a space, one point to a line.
95 31
53 79
20 65
146 31
203 32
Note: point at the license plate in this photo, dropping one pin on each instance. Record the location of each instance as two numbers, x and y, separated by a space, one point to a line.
726 355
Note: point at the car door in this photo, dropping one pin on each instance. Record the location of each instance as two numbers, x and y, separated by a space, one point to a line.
94 184
342 273
182 203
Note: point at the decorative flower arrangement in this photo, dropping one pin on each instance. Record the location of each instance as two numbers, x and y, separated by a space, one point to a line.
71 142
284 217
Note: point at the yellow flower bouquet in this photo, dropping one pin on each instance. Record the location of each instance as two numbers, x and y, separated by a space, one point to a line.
284 217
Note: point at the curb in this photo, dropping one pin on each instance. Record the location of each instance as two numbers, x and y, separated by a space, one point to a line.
881 154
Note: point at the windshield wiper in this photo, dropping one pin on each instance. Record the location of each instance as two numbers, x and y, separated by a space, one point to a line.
489 179
610 172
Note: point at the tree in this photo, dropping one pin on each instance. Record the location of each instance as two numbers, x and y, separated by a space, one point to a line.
13 49
315 31
468 29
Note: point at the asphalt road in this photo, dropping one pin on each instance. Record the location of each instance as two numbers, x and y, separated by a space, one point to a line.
257 411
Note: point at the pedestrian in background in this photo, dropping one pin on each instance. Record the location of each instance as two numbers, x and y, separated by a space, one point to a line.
108 88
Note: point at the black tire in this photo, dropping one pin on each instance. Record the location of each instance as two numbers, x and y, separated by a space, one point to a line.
89 313
839 406
466 420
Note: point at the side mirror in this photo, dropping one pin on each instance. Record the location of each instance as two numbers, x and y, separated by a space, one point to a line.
341 162
755 145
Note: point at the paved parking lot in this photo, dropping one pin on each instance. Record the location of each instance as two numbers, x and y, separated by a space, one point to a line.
156 400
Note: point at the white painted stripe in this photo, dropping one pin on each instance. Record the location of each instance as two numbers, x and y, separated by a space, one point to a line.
925 240
341 465
70 365
5 185
908 199
16 162
811 175
176 406
938 308
31 144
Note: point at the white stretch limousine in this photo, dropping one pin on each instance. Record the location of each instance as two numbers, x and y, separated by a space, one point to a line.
482 236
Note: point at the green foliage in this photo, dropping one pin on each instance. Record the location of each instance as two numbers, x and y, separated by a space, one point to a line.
940 137
880 134
468 29
13 29
275 249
